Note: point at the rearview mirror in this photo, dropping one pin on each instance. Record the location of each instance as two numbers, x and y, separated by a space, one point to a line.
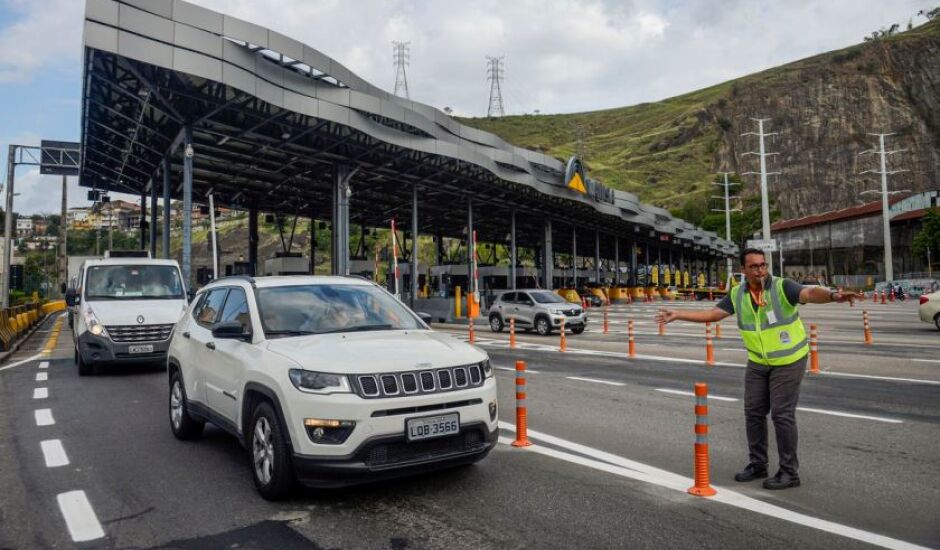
426 317
190 294
230 329
71 297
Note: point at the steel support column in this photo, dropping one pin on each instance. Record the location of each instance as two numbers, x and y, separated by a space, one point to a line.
597 257
470 244
340 233
313 246
143 218
252 241
166 208
633 277
512 250
574 256
617 261
153 219
414 246
188 206
548 258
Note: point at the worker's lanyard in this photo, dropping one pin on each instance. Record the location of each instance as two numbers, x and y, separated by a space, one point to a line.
758 298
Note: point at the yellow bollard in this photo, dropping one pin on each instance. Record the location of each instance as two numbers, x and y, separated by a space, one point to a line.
457 302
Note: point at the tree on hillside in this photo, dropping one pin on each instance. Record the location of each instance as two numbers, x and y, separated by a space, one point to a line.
930 14
929 236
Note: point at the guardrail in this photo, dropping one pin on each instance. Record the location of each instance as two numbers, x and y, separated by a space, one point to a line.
16 321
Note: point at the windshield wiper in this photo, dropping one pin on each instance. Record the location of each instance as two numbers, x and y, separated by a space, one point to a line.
360 328
287 332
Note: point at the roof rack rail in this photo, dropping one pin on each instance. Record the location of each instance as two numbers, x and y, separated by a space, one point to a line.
248 278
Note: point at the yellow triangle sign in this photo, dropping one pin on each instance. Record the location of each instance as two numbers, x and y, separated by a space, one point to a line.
577 184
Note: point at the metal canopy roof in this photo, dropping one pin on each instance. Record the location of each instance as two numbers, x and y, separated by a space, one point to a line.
271 119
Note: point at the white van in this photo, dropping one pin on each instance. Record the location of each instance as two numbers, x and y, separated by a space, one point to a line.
125 309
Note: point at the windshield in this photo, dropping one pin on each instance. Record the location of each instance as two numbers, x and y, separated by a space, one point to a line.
547 298
319 309
133 282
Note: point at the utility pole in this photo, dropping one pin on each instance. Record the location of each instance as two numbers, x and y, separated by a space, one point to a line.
885 210
62 260
494 74
727 210
764 201
401 57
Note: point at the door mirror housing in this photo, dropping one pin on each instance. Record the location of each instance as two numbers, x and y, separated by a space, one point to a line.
72 298
231 330
190 294
426 317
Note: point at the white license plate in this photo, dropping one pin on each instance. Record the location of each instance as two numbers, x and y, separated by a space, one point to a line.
430 427
143 348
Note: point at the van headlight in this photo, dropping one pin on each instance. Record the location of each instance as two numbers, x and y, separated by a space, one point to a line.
486 368
94 326
318 382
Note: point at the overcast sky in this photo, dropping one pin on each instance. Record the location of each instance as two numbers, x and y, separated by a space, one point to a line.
560 56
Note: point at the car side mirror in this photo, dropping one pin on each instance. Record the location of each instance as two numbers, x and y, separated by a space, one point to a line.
72 298
230 330
190 294
426 317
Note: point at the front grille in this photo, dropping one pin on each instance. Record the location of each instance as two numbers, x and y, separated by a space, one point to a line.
570 313
139 333
385 454
400 384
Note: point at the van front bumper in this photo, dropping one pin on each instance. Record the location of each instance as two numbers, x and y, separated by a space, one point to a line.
99 349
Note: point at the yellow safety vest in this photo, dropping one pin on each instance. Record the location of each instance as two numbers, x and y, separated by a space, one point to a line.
773 333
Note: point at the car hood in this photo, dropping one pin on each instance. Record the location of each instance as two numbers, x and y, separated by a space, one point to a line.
128 312
380 351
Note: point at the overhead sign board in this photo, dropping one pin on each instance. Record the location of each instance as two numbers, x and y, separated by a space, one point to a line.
60 158
767 245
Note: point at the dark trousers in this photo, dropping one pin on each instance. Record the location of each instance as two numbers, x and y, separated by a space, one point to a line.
773 390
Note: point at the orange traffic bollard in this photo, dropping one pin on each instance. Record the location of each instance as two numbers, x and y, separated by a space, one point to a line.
472 337
813 350
606 326
891 296
563 345
867 325
702 487
584 303
710 295
512 333
717 330
522 417
631 344
709 346
883 297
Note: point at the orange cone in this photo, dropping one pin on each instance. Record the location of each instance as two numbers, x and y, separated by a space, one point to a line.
631 344
606 326
813 350
709 346
702 487
522 417
891 297
563 344
867 325
883 297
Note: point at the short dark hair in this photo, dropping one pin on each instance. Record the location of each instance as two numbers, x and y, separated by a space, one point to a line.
750 251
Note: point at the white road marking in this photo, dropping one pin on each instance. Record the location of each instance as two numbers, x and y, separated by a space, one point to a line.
44 365
595 380
42 376
888 378
732 349
851 415
23 362
639 471
54 453
926 360
692 394
79 516
44 417
40 393
527 371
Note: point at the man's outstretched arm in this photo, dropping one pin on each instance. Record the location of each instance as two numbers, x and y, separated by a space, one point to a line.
712 315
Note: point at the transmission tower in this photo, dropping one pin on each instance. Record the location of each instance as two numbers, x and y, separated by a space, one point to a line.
494 73
727 211
401 56
885 211
764 202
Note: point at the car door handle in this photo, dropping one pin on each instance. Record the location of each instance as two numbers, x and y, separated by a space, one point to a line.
185 334
210 345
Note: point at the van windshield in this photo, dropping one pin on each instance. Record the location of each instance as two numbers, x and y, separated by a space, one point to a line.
133 282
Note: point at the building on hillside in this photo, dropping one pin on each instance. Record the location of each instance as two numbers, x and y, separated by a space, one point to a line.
78 218
846 247
24 227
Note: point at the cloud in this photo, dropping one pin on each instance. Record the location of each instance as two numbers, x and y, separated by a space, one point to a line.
44 34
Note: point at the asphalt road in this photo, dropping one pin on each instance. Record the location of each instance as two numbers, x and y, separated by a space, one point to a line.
612 458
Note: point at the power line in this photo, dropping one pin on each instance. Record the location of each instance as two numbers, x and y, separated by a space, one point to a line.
494 74
401 56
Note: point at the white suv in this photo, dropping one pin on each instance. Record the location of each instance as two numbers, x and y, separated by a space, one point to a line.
329 381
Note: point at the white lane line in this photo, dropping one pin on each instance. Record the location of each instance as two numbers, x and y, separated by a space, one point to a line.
926 360
851 415
54 453
528 371
683 392
639 471
42 376
732 349
23 362
44 417
595 380
44 365
888 378
40 393
79 516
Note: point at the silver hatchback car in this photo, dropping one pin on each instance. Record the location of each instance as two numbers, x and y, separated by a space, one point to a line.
542 310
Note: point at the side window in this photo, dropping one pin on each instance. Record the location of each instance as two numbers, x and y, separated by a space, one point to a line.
508 297
236 309
200 302
523 298
211 304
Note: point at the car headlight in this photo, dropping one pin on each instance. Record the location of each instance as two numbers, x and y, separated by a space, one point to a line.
318 382
486 368
94 326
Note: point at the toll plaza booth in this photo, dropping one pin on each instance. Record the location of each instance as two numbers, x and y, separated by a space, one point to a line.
424 287
287 263
363 268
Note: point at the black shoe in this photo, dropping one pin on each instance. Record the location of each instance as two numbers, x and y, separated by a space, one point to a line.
751 472
782 480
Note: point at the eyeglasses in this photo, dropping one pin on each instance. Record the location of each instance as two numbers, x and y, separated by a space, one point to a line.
757 267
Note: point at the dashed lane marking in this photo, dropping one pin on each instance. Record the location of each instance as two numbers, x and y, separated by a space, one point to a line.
624 467
40 393
79 516
44 417
44 365
527 371
595 381
682 392
42 376
926 360
851 415
54 453
23 362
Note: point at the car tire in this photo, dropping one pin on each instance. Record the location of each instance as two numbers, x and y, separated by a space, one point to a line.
543 326
577 330
183 425
936 320
496 324
84 369
270 454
